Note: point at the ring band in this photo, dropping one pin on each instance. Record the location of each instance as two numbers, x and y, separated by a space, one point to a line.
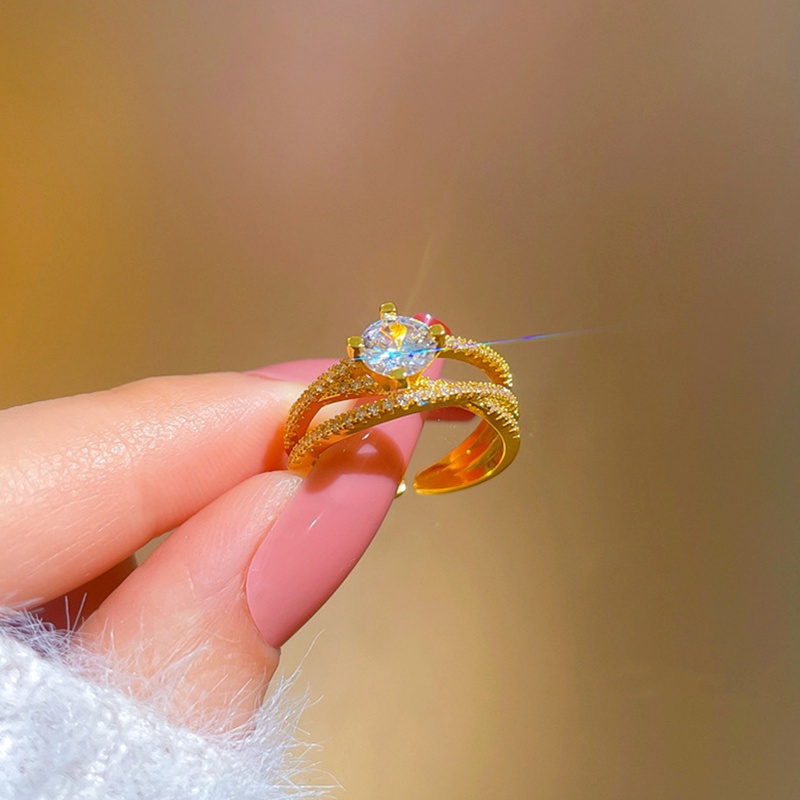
384 369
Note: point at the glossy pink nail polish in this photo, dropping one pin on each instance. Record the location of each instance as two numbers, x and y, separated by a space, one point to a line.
327 526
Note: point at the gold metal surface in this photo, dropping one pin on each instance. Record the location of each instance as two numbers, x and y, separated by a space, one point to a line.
439 333
486 452
355 345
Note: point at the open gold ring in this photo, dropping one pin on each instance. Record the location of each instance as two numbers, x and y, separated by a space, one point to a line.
384 370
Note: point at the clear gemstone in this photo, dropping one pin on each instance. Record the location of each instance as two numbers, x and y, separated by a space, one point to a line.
398 346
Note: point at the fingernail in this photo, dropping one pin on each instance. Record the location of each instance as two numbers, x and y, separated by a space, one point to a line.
327 526
429 320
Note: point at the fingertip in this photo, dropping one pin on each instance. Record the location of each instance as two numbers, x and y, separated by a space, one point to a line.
302 371
182 615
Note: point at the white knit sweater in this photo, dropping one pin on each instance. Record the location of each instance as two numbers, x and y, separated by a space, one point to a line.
64 735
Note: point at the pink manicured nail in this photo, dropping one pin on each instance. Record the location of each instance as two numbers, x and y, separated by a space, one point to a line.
329 523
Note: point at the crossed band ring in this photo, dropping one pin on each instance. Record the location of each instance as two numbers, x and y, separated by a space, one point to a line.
384 371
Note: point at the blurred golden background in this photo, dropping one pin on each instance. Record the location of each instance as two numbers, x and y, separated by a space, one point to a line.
196 186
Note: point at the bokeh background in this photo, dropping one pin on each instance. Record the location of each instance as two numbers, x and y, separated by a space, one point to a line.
193 186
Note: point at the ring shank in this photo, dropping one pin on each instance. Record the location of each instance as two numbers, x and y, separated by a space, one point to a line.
487 451
482 455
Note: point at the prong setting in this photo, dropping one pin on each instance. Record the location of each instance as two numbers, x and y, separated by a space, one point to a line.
355 347
384 368
399 379
438 332
395 349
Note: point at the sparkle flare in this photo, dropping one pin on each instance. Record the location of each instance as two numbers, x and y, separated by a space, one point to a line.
398 346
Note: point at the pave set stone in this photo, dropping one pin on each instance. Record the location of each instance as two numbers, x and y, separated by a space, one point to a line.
481 356
493 402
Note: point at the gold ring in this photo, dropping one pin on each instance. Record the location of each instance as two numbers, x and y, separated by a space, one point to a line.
384 370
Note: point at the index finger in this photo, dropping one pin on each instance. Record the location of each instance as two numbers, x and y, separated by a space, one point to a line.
87 480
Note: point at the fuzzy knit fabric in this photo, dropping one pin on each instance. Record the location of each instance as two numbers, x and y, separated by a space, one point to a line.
67 736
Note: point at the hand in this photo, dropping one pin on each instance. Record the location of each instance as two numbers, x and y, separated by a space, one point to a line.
86 481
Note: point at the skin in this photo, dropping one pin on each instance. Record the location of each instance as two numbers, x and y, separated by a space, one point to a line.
86 481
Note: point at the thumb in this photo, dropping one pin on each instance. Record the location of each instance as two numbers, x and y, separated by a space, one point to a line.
178 628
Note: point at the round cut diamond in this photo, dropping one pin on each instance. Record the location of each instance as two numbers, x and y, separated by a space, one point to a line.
398 346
